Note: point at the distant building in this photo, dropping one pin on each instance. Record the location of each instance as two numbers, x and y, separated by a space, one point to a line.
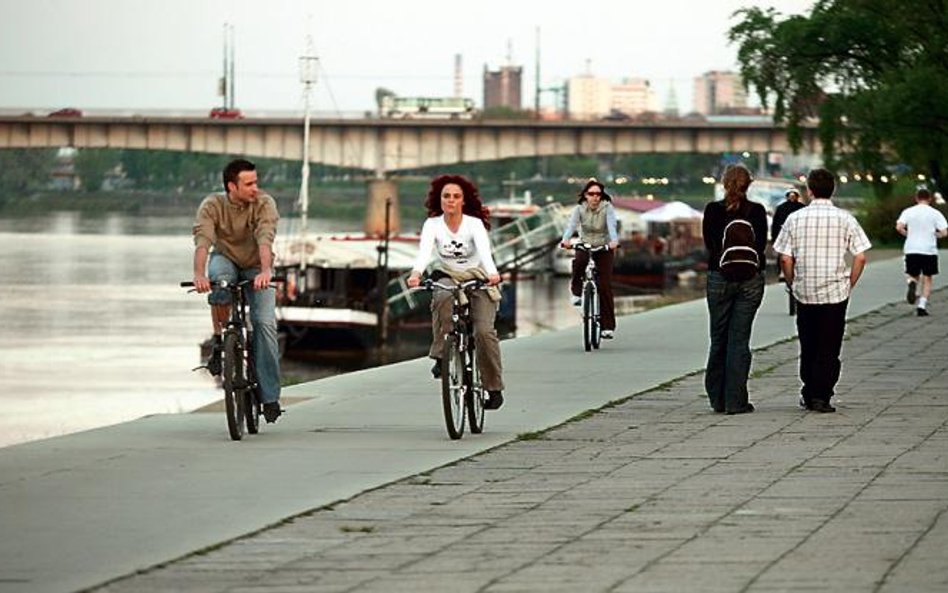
717 92
502 88
633 96
591 97
588 97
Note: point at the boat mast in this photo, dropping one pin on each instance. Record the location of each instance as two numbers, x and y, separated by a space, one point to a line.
309 64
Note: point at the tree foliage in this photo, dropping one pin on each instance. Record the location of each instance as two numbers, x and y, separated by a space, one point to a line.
875 73
25 169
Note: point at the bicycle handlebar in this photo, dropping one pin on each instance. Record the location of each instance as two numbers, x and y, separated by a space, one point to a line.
589 248
476 284
226 284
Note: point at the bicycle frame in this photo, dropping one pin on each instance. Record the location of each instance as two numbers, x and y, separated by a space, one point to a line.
592 329
464 393
241 399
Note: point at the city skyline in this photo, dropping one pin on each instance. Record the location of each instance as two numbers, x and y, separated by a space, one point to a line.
135 55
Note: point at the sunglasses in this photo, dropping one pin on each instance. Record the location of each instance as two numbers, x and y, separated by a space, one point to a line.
593 193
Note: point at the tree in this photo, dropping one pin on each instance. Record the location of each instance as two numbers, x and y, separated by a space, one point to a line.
874 72
93 164
22 169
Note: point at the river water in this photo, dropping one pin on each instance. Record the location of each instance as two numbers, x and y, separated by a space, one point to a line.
94 329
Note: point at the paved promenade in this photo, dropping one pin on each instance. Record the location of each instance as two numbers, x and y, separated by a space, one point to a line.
652 492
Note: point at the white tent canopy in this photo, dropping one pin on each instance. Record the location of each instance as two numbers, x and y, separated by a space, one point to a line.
672 211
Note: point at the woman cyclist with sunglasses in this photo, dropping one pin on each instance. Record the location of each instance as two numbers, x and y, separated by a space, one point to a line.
595 218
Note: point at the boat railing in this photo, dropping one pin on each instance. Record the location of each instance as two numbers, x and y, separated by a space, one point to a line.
515 244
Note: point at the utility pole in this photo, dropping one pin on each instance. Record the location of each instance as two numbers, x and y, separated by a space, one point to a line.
536 95
309 65
225 86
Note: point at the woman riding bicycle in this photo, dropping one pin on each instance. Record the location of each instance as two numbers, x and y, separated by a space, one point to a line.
597 226
455 235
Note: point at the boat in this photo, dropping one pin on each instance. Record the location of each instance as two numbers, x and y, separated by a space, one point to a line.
331 299
667 253
659 248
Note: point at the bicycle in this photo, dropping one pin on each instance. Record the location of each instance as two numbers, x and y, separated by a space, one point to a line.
592 328
462 392
242 402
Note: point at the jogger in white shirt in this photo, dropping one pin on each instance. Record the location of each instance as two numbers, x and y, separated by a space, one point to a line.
922 226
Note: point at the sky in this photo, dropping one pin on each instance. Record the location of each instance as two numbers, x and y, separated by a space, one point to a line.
141 56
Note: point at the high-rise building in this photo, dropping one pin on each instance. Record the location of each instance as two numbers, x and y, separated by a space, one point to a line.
719 92
502 88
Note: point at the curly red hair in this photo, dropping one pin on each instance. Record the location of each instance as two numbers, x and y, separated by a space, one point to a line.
472 198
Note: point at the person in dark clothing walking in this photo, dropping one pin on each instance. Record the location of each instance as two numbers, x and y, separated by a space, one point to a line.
788 207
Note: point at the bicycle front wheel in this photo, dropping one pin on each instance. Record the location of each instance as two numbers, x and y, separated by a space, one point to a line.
596 321
589 319
475 395
252 409
453 387
234 387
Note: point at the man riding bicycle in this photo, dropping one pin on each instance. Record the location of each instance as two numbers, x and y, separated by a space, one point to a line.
233 238
597 226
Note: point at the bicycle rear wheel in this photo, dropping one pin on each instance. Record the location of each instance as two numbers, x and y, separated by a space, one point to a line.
234 385
453 387
475 395
588 317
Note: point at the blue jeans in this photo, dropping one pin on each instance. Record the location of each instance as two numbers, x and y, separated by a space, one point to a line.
266 347
732 307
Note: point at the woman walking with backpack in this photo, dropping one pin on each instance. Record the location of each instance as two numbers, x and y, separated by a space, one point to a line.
735 234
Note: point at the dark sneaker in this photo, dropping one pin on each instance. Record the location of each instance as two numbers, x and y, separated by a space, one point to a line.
910 293
214 361
921 312
820 406
495 399
747 409
272 411
436 369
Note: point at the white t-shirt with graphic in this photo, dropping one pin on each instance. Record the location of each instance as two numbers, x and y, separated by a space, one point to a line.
467 249
922 222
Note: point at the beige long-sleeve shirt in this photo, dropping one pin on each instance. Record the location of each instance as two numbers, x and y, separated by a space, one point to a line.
236 230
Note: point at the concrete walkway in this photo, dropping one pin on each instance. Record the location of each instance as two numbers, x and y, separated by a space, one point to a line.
655 493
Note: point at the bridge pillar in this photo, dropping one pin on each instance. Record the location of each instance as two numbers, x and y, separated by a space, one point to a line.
380 190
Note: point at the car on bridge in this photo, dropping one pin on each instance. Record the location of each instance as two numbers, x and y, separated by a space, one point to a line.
225 113
66 112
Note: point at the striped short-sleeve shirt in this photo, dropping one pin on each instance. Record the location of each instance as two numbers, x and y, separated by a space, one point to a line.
818 237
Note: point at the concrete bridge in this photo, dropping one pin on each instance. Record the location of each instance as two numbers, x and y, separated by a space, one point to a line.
387 145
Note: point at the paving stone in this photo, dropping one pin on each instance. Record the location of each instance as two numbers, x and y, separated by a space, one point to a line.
652 494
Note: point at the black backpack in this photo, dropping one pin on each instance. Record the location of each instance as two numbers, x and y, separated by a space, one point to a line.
739 261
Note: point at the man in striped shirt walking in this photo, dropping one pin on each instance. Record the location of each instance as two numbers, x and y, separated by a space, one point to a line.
812 246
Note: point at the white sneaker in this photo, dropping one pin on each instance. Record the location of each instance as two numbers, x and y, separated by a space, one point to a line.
576 301
607 334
